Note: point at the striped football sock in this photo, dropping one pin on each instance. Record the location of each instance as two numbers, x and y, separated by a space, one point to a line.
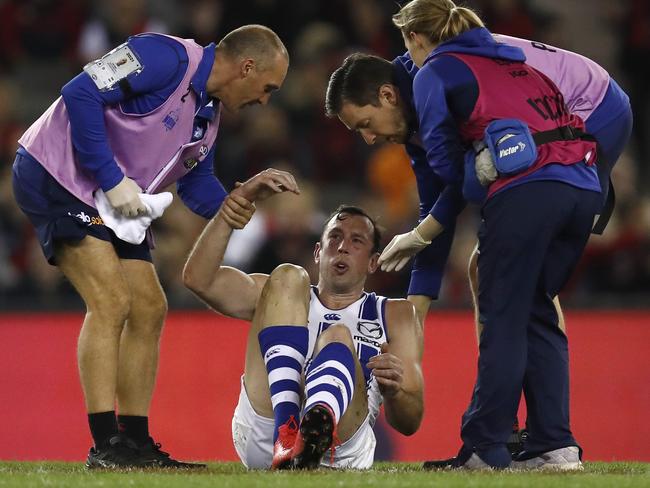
284 349
330 379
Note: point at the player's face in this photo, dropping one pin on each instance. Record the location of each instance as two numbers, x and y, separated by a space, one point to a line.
376 124
345 253
255 86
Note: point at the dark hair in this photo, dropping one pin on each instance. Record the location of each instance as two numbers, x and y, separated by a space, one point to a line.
255 41
357 81
343 210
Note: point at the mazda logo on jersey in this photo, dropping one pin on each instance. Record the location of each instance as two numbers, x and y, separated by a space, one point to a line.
370 329
332 316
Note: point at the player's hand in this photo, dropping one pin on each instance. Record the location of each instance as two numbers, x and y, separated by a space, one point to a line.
236 211
267 183
388 371
124 198
400 249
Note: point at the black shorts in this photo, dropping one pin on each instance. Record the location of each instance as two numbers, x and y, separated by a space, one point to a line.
59 216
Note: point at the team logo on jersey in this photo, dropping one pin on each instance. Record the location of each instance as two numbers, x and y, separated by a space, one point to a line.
198 133
370 329
203 150
190 163
170 120
332 316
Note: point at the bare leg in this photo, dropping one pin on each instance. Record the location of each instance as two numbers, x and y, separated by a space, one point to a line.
284 301
94 270
139 345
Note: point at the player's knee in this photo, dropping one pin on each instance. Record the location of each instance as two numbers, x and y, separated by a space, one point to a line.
156 307
336 333
112 306
149 309
290 280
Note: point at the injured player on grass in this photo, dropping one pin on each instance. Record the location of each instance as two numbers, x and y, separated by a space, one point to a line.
321 359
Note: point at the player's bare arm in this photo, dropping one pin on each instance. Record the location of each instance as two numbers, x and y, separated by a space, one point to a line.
228 290
421 304
398 369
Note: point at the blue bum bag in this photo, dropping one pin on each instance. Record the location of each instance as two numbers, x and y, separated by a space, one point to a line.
511 145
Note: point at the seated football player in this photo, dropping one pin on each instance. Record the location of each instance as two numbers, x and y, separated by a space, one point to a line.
320 360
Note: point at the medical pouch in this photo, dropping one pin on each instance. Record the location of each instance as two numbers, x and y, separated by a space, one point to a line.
511 145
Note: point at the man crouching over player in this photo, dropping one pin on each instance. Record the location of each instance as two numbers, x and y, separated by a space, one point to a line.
331 353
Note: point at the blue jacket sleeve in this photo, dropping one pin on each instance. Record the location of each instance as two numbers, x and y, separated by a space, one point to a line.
440 138
429 264
85 103
473 191
200 189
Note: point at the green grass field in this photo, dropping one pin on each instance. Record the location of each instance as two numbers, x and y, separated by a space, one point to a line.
51 474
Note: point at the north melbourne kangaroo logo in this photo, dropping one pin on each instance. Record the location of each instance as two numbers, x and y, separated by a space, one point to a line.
370 329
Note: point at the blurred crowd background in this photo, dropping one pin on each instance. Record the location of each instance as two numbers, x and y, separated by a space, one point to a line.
44 43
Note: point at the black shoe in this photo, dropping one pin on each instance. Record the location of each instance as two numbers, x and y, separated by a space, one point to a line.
119 452
516 441
317 434
440 464
151 456
459 460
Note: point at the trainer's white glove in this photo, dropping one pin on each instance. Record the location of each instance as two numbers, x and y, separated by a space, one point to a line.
400 249
486 172
124 198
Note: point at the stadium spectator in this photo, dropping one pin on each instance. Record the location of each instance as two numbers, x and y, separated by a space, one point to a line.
37 80
635 52
112 23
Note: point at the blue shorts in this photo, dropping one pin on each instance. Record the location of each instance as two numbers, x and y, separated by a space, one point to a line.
59 216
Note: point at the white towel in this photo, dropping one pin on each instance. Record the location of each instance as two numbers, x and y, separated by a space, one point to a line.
132 229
